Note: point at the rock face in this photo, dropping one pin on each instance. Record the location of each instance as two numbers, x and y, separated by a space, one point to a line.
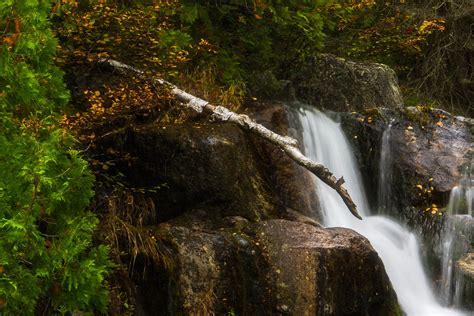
294 184
466 267
336 84
216 164
197 164
465 264
271 267
428 148
233 223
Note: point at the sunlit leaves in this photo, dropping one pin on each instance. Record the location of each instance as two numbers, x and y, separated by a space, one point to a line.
386 31
106 29
424 191
429 26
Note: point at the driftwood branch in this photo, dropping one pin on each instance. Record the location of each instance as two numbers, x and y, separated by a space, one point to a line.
287 144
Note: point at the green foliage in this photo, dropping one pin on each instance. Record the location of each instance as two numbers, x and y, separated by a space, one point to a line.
47 259
252 37
238 41
383 31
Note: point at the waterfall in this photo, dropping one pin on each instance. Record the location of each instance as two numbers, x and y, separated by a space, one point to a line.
455 240
454 244
385 173
325 142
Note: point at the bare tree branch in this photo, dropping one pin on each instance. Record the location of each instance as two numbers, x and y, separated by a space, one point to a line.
287 144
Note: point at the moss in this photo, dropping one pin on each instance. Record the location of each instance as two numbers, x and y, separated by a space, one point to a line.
420 114
470 123
374 112
396 309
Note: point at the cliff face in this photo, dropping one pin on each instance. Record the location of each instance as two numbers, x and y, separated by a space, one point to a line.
428 150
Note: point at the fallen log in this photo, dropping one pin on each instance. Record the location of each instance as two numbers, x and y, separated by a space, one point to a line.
287 144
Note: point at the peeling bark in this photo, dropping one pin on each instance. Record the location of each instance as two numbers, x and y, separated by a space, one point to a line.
287 144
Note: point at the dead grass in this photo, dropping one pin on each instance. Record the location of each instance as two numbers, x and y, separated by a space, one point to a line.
127 227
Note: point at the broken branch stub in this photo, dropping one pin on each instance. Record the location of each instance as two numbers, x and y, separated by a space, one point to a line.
287 144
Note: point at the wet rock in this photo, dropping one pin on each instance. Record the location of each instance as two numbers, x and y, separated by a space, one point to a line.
428 148
294 184
212 164
336 84
298 217
466 265
328 268
182 166
273 267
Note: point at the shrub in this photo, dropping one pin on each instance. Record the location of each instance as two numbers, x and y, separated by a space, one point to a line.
47 258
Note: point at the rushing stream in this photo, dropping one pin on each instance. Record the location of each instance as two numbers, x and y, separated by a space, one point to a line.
325 142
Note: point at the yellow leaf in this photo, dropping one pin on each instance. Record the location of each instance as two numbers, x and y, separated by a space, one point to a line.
439 123
419 186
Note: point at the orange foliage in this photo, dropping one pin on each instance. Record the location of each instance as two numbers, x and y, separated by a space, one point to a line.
7 39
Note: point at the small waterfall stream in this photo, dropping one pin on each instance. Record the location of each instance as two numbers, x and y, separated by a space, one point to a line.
455 239
325 142
385 173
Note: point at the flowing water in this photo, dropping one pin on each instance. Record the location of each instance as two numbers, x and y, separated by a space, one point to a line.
456 239
325 142
385 173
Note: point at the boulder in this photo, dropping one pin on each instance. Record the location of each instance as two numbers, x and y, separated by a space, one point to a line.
270 267
465 266
295 186
428 149
201 163
336 84
320 271
196 163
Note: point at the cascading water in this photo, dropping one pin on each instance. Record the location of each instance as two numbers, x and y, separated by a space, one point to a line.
325 142
385 173
455 239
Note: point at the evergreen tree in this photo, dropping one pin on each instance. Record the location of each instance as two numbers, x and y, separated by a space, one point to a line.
47 259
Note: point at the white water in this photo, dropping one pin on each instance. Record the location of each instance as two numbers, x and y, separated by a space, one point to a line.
455 241
454 245
385 174
325 142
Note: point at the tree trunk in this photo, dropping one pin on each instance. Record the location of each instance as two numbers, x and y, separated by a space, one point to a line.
287 144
